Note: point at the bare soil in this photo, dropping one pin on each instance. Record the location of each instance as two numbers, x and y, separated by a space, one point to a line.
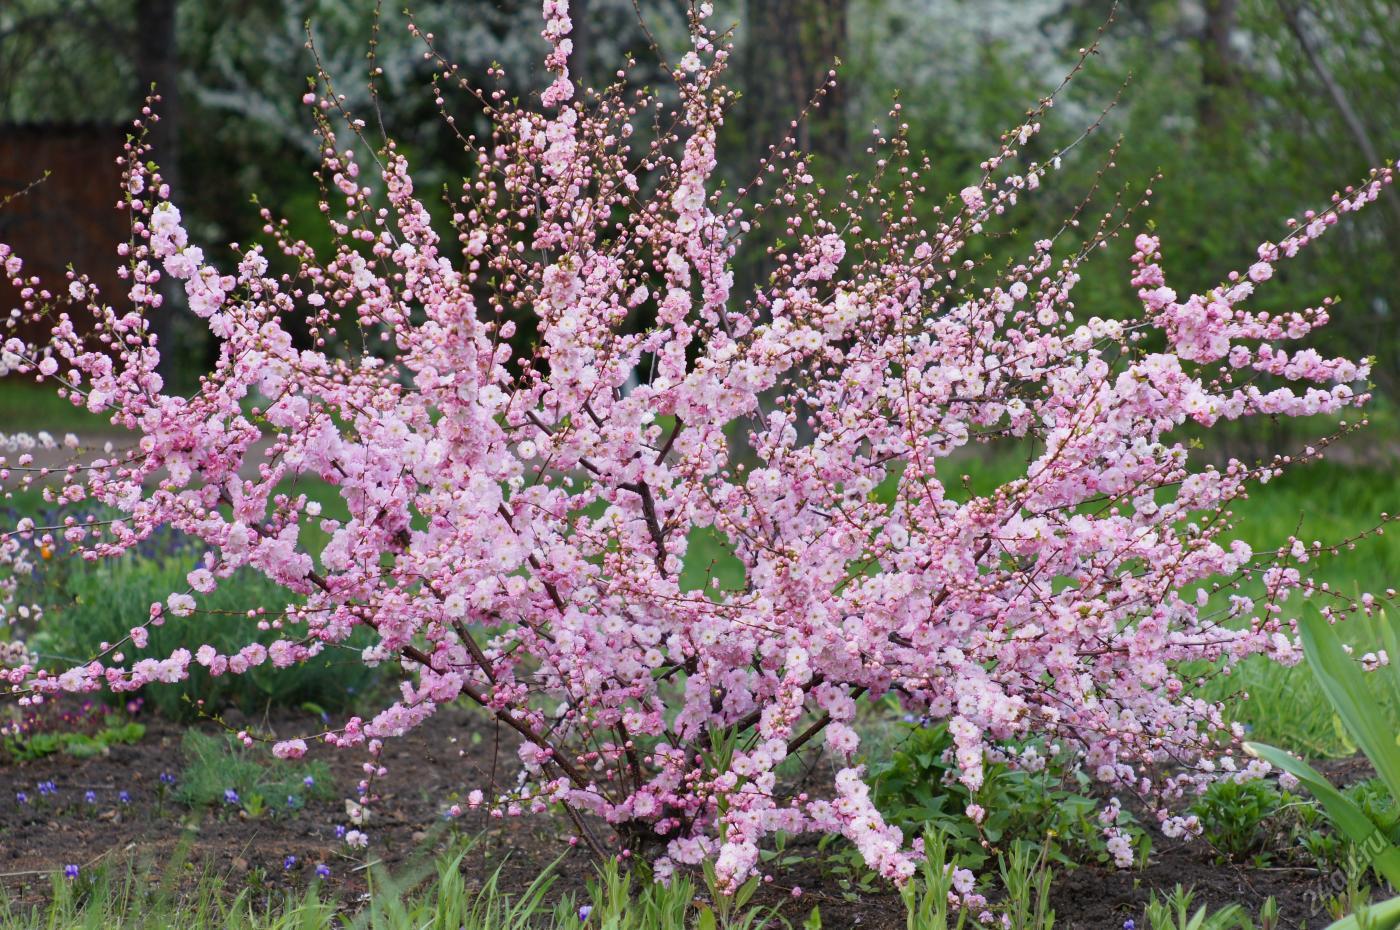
408 829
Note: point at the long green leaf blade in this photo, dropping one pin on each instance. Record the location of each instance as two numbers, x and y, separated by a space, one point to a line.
1392 648
1382 916
1342 682
1345 815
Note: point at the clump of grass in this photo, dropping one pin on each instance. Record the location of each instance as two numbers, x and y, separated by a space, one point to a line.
115 896
218 765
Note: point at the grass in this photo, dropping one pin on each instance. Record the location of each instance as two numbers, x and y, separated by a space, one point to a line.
437 897
1329 503
33 407
216 765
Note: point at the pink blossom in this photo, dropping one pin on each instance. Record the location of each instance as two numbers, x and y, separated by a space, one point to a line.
524 425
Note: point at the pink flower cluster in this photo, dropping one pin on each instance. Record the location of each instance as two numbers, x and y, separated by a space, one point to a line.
525 425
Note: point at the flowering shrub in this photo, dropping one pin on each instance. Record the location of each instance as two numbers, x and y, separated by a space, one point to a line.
520 503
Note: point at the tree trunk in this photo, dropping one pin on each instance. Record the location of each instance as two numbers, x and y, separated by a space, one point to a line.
1218 74
582 36
789 48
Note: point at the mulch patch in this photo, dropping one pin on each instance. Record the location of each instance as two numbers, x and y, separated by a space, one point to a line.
456 750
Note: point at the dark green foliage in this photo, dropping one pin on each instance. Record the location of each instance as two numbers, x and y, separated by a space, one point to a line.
1238 818
916 788
99 603
80 745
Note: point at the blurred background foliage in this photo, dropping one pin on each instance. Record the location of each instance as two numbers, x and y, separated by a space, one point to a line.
1250 110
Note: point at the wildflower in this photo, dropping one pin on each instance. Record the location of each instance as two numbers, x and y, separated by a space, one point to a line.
290 862
70 872
356 839
1129 924
167 779
90 797
47 788
21 797
340 831
309 782
584 911
124 797
230 796
291 800
323 870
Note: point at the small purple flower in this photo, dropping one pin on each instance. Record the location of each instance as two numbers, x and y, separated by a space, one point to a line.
584 911
309 782
290 862
323 870
1129 924
70 872
340 831
230 796
90 797
167 779
47 787
291 800
124 797
21 797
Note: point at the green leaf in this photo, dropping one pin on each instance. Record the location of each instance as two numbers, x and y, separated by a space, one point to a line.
706 920
1345 815
1392 649
1383 916
814 920
1341 681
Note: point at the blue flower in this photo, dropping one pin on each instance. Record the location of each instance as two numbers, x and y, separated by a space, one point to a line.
124 797
70 872
167 779
230 796
1129 924
309 782
340 831
291 800
21 797
90 797
323 870
584 911
290 862
47 788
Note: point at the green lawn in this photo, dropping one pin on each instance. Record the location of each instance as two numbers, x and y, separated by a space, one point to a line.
27 407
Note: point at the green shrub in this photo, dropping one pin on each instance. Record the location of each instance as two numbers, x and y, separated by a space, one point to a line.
916 788
101 602
1237 818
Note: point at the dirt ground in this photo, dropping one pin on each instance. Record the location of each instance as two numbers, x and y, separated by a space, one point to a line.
42 836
